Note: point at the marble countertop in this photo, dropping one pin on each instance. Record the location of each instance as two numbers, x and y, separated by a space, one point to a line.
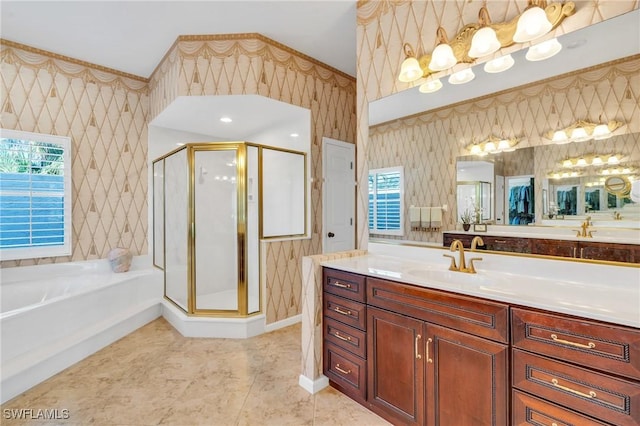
601 292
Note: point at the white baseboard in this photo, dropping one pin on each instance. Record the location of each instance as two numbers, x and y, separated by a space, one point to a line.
313 386
284 323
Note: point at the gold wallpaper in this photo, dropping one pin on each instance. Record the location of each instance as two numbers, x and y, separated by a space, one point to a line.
384 25
428 144
253 64
105 114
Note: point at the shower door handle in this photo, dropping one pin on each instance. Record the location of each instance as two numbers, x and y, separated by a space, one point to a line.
331 235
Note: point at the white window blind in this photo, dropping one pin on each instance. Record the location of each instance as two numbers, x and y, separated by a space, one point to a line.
35 195
386 206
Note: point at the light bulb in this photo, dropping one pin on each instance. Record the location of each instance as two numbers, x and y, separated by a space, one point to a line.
430 86
601 131
442 58
613 160
581 162
544 50
565 174
597 161
556 175
579 134
626 171
500 64
484 42
605 172
410 70
461 77
560 137
490 147
475 149
567 163
574 174
532 24
504 145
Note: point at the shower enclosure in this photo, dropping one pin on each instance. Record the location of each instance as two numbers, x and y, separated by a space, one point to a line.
212 205
206 228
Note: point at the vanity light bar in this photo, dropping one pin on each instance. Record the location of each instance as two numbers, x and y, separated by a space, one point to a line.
493 145
582 131
592 160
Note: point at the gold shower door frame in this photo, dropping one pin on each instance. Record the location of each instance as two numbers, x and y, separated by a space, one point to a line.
241 232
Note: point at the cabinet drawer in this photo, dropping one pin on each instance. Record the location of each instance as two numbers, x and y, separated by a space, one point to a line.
528 410
345 337
346 370
604 397
604 347
345 310
479 317
343 284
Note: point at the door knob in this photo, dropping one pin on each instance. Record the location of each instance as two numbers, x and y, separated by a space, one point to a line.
331 235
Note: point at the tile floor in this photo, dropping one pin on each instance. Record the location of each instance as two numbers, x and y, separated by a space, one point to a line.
155 376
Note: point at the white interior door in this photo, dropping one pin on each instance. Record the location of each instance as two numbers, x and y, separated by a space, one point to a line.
338 195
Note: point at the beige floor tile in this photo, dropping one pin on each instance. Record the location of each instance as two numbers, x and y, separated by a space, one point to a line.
155 376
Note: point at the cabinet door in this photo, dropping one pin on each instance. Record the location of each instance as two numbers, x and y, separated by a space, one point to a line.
510 244
467 381
395 356
554 247
448 238
607 251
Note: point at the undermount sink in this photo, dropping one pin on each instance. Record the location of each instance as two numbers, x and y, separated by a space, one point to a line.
449 277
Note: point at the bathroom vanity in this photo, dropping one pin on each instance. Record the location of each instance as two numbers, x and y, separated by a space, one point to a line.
420 344
569 246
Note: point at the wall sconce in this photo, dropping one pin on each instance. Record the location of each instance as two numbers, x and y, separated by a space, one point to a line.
410 69
563 175
583 131
442 57
493 145
484 38
591 160
533 23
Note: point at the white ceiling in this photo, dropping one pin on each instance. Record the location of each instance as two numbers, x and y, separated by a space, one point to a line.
133 36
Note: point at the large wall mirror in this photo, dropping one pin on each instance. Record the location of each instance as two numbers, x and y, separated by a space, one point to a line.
533 185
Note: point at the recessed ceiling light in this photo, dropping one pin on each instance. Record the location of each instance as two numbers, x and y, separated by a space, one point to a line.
294 135
226 120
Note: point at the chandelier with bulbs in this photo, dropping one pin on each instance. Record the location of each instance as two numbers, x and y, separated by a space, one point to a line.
484 38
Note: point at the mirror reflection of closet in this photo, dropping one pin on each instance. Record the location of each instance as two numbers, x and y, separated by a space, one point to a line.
519 199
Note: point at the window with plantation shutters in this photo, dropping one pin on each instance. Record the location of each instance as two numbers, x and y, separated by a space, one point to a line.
35 195
386 204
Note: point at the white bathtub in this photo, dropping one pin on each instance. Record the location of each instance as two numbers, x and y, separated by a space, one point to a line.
52 316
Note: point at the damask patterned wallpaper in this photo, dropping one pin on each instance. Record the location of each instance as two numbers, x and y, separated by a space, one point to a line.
105 112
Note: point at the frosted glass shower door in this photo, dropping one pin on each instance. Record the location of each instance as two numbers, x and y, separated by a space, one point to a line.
176 204
216 225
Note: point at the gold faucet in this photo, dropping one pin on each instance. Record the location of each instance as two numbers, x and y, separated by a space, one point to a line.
477 241
583 231
457 245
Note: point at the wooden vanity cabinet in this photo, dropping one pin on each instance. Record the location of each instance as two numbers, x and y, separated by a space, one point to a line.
579 367
430 353
344 332
612 252
560 248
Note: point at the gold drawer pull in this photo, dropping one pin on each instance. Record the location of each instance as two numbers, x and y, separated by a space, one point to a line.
429 340
339 284
500 241
589 345
340 311
346 339
341 370
418 337
591 394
